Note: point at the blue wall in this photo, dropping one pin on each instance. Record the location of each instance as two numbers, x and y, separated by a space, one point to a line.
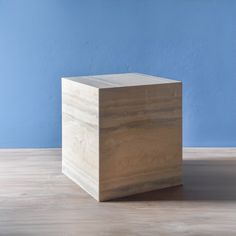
189 40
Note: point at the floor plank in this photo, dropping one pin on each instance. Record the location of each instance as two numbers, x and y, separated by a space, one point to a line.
36 199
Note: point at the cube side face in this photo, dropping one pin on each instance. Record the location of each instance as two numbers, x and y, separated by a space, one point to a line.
80 135
140 139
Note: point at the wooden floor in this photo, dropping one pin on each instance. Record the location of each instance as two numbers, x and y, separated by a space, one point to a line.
36 199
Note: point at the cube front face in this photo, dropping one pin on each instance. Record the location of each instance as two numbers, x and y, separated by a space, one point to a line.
140 139
123 140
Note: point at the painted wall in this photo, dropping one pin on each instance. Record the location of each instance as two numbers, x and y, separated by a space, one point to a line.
189 40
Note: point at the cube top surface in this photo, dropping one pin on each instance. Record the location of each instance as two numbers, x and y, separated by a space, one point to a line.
120 80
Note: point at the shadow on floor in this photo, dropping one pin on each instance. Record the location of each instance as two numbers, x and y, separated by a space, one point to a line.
211 179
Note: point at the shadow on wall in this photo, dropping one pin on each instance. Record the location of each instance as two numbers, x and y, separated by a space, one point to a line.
203 180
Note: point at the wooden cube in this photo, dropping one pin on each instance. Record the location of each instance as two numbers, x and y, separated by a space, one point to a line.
121 133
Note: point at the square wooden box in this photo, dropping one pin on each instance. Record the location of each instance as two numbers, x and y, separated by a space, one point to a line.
121 133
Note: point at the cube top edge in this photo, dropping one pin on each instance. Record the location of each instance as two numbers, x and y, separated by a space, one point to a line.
120 80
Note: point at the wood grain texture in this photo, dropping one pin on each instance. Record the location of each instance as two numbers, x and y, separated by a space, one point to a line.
121 80
122 133
36 199
140 139
80 137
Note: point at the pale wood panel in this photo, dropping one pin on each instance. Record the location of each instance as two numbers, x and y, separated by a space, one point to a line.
36 199
121 80
80 136
140 139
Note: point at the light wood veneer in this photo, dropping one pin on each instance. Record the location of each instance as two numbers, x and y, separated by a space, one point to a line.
122 134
